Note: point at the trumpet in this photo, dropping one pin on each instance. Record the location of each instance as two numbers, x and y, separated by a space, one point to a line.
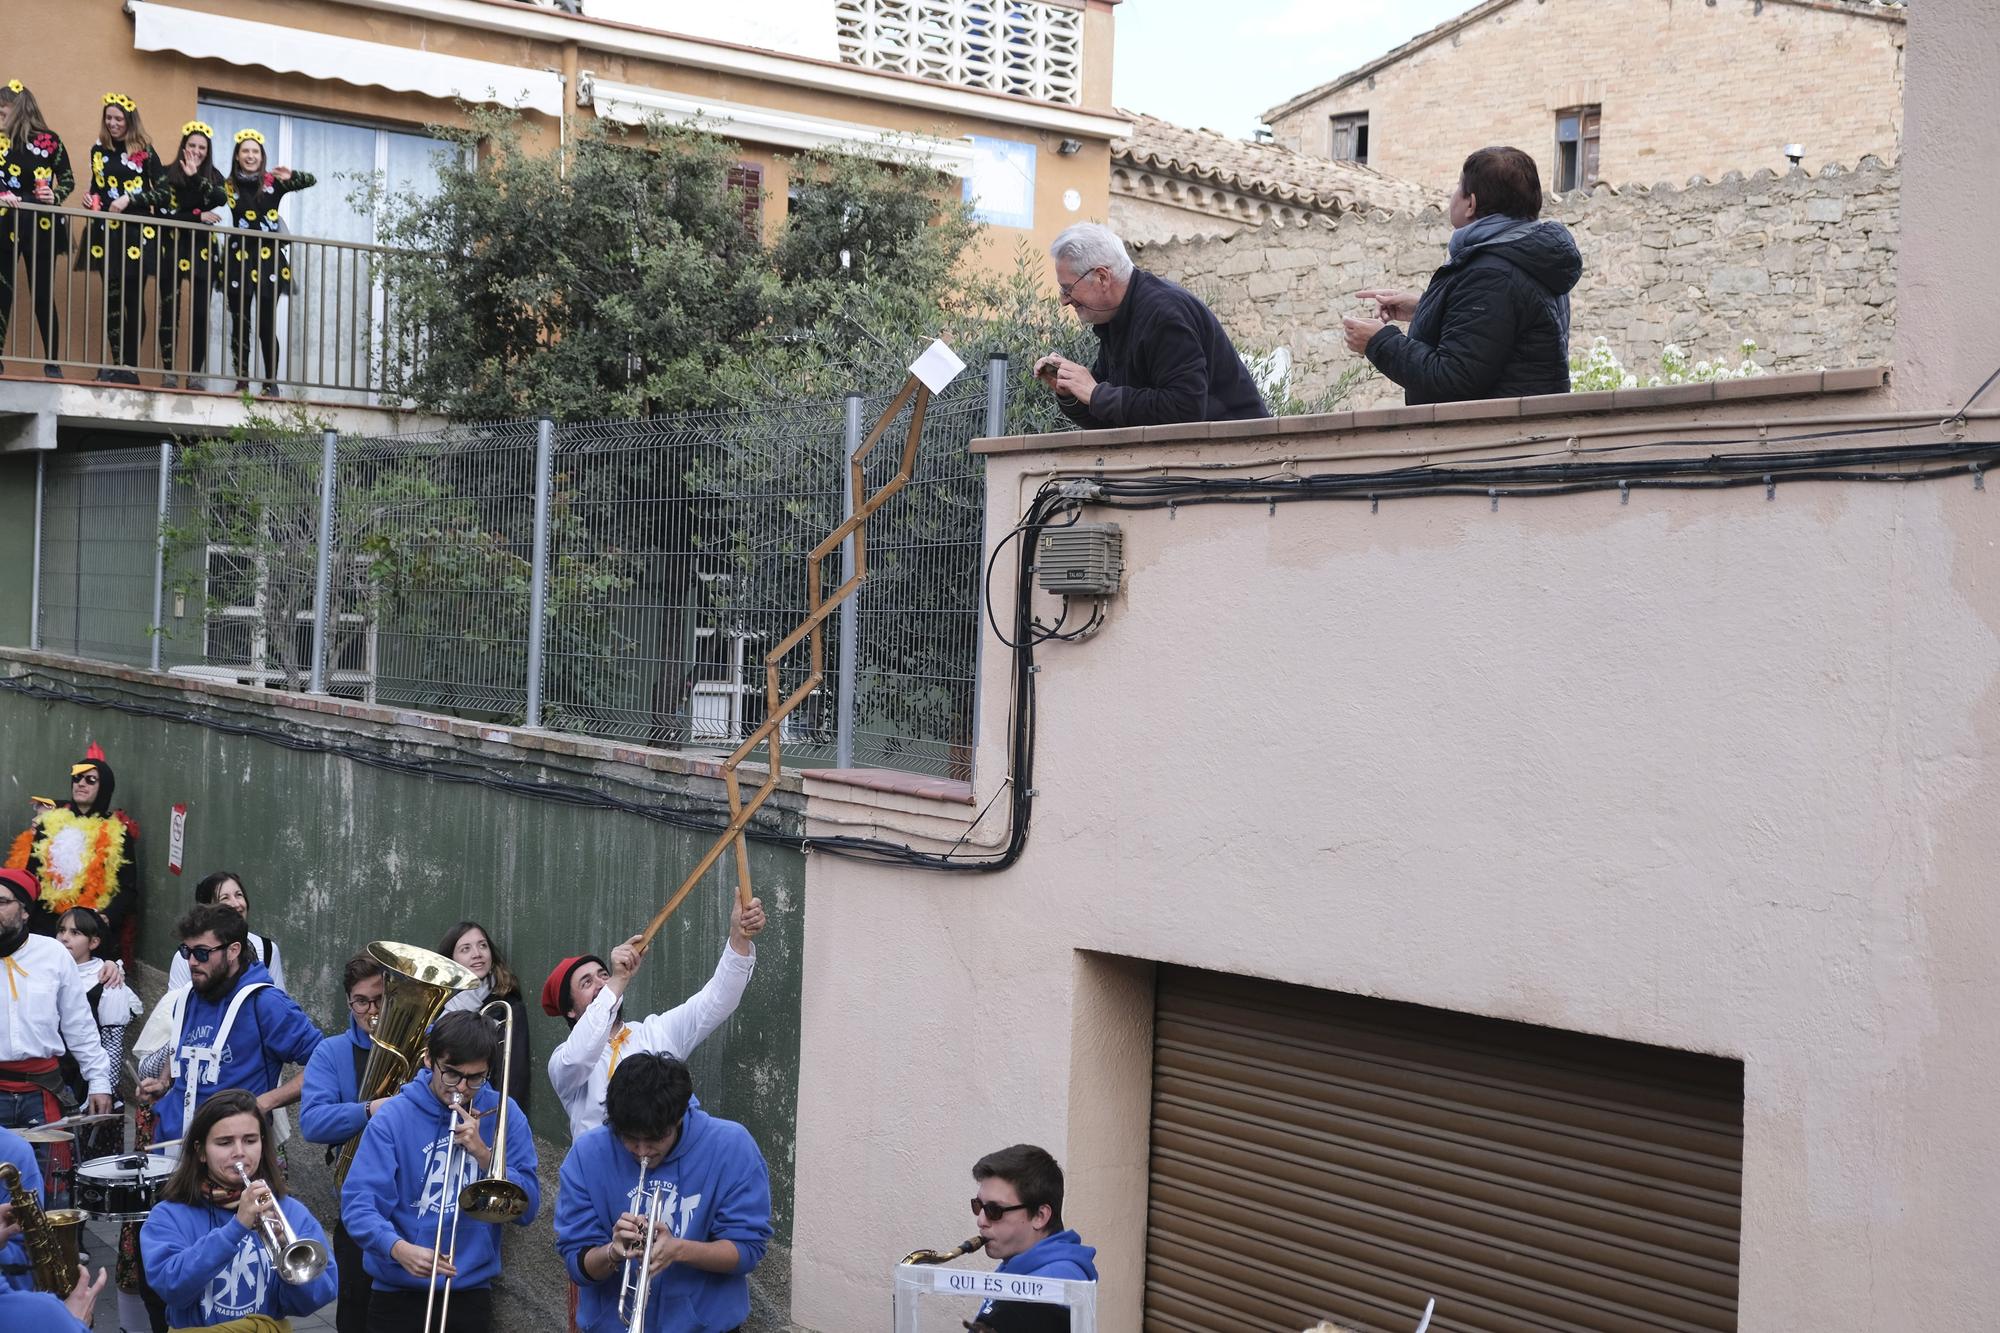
491 1198
944 1256
296 1261
637 1282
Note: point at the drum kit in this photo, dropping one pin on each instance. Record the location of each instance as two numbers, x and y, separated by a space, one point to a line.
118 1187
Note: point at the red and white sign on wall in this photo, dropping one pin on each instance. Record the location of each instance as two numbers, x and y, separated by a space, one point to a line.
177 840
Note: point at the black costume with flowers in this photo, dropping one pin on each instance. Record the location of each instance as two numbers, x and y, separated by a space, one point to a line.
187 255
30 238
256 265
125 247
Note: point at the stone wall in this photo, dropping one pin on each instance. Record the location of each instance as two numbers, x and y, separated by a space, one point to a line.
1685 88
1804 264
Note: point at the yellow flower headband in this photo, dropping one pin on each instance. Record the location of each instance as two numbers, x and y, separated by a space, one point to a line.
16 87
197 127
121 100
257 135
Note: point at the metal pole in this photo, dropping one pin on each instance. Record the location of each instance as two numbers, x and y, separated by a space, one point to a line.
323 563
538 582
160 550
850 619
996 425
35 581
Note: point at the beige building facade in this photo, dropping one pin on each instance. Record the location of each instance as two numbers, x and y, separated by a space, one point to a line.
1645 90
835 74
1365 832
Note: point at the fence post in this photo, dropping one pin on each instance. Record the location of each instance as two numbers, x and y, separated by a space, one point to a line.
160 550
538 579
35 579
323 563
996 425
850 617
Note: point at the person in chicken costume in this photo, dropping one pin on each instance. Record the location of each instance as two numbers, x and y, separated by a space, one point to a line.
84 852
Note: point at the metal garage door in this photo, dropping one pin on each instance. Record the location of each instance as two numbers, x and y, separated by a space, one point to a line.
1318 1155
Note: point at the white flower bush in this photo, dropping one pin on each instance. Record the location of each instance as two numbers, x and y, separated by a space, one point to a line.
1600 368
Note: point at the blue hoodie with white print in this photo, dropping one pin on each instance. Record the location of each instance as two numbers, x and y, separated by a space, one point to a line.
396 1188
210 1269
716 1187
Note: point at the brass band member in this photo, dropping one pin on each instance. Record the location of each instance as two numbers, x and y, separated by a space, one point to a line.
204 1248
1019 1209
331 1112
44 1010
400 1201
704 1186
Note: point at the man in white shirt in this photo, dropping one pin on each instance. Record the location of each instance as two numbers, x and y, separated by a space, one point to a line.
44 1011
592 997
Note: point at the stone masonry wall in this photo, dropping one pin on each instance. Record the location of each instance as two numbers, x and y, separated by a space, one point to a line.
1685 87
1804 264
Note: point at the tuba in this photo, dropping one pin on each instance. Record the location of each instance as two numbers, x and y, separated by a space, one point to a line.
944 1256
49 1235
417 986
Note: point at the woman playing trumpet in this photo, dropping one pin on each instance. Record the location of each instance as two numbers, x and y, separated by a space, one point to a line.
206 1245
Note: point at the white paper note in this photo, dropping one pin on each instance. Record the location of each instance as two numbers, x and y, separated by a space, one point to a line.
937 367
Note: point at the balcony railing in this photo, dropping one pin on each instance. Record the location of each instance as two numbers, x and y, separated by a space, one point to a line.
1021 47
146 300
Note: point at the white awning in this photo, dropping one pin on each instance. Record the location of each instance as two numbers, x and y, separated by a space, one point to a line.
402 69
634 105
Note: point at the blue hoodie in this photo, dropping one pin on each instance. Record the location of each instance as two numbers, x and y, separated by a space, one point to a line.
270 1032
14 1254
716 1188
396 1187
210 1269
330 1105
1060 1255
37 1310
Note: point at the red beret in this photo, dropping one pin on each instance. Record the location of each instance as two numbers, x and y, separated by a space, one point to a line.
22 883
555 991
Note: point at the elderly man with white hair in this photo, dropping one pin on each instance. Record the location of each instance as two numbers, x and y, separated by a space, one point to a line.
1162 357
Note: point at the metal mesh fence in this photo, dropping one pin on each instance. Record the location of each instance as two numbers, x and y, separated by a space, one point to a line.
675 558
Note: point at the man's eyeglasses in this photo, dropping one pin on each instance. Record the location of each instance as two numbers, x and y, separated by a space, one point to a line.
1067 287
994 1211
201 953
452 1078
360 1002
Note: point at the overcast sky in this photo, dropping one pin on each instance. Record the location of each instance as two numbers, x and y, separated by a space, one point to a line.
1220 64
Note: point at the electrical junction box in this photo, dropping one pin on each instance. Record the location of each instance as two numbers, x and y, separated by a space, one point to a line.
1083 559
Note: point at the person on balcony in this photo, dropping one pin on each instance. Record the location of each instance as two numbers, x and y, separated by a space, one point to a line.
189 191
257 268
1162 356
125 249
34 167
1494 323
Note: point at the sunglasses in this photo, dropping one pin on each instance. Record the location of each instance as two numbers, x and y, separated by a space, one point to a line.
994 1211
201 953
85 780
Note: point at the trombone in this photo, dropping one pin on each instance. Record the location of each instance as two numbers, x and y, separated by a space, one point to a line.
491 1198
637 1281
296 1261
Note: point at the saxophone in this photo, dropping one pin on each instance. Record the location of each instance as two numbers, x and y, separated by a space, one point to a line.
49 1235
944 1256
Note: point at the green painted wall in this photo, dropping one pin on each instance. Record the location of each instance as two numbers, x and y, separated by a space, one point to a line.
336 853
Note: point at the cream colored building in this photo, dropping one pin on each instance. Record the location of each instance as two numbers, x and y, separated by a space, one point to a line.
1624 91
1577 908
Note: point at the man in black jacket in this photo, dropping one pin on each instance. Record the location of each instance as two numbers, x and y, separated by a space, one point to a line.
1161 356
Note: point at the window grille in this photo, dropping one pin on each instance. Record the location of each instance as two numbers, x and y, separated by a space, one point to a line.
1020 47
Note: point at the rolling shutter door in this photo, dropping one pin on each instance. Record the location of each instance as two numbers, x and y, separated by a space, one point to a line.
1325 1156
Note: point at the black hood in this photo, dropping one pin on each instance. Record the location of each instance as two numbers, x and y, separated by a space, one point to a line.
1546 252
107 782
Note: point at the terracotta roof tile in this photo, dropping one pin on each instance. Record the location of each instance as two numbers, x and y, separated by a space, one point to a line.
1264 169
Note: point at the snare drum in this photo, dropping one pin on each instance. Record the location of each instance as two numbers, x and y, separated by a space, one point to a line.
123 1187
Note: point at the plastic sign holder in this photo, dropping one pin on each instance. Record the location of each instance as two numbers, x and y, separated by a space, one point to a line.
936 1298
